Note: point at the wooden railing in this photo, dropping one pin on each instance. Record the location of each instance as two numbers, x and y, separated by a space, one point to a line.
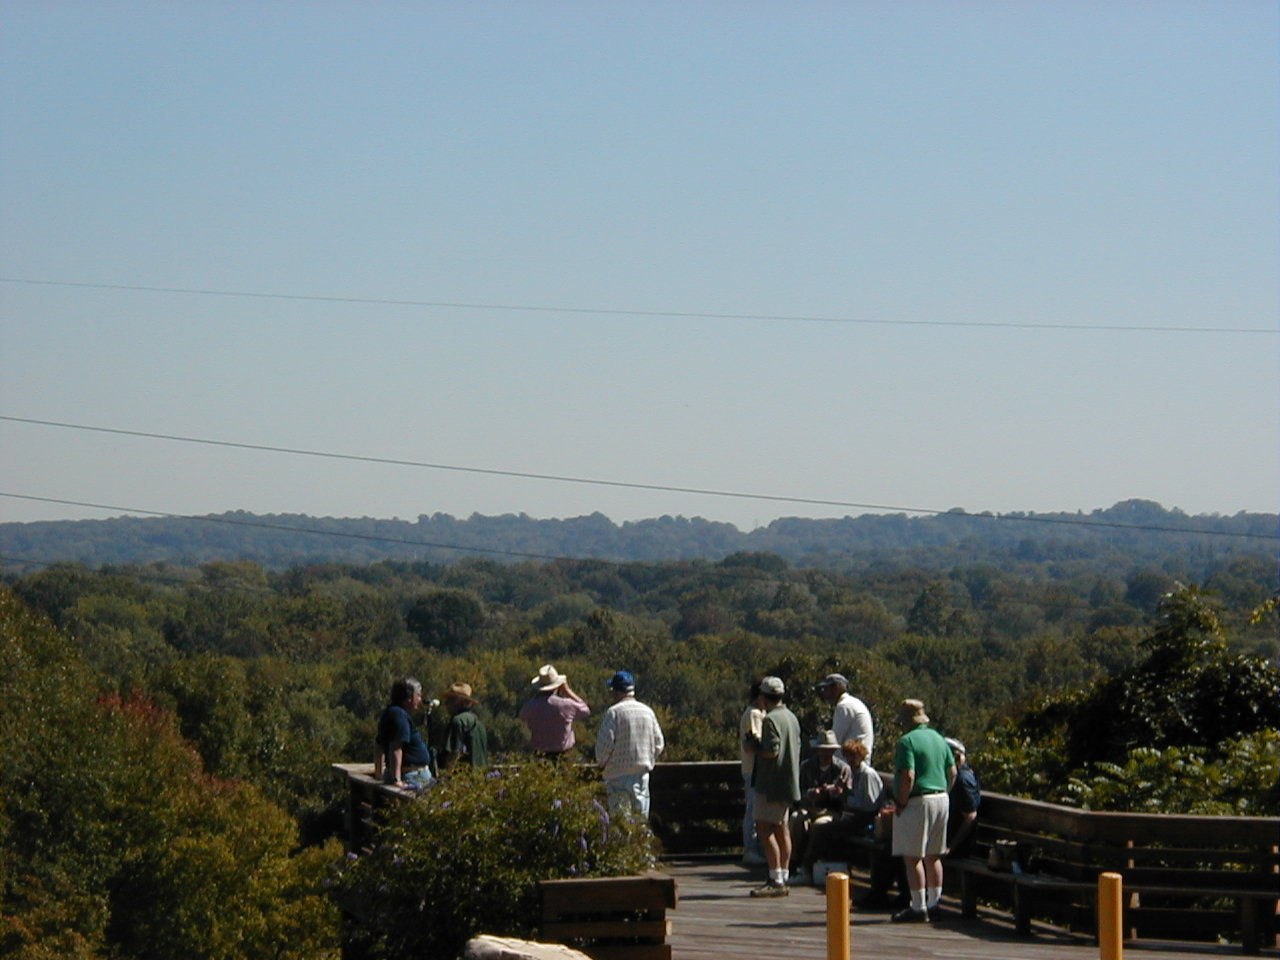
697 808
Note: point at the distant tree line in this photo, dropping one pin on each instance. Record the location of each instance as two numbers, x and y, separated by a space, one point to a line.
1106 539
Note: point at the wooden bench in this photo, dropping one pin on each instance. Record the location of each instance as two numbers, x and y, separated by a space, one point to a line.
610 918
1179 872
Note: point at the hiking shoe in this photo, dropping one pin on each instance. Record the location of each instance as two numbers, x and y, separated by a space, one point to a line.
908 915
771 889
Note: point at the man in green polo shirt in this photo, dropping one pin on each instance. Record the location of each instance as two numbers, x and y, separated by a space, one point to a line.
924 770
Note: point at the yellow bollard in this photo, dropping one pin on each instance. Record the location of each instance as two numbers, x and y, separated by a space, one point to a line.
837 916
1111 916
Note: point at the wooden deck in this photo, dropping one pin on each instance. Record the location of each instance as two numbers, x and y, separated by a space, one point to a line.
717 919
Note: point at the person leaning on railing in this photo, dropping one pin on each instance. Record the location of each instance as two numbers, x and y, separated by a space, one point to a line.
403 758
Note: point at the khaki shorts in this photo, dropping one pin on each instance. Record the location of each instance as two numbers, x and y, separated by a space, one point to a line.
921 829
767 811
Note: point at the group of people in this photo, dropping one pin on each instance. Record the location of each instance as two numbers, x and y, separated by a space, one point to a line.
627 746
404 759
799 812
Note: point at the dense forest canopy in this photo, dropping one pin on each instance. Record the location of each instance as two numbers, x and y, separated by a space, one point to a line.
1113 668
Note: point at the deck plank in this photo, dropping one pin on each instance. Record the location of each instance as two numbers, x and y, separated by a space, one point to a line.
717 919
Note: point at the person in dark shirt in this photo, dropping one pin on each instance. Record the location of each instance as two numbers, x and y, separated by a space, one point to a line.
966 795
403 758
465 739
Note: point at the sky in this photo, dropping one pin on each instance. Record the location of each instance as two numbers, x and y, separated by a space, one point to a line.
922 255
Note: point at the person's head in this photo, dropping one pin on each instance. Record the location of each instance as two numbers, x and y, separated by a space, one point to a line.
855 753
622 684
911 713
825 747
406 692
771 690
753 694
957 750
832 687
548 680
458 698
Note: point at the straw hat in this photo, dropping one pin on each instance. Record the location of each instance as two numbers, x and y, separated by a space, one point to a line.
549 678
461 691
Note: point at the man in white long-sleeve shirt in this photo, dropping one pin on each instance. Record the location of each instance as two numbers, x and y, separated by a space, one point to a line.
627 746
850 719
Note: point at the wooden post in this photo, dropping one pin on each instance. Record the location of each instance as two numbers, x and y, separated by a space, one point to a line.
837 916
1111 916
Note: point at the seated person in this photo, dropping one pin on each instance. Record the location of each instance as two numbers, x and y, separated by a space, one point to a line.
855 816
824 779
403 758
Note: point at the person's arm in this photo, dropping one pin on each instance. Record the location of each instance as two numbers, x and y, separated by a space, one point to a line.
770 740
452 746
605 739
951 777
395 753
906 781
584 708
862 729
378 761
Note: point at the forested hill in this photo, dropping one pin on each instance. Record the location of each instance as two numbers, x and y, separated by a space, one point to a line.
1129 532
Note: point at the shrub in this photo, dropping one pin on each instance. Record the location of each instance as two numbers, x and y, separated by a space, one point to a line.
467 856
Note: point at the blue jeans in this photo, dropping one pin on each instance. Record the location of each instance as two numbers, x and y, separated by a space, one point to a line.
629 793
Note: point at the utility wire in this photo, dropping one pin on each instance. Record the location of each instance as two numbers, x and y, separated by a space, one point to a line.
653 314
1064 521
517 474
631 485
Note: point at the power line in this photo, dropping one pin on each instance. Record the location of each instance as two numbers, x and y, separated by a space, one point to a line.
1063 521
631 485
653 314
515 474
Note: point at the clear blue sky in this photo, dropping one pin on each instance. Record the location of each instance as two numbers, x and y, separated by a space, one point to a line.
1023 167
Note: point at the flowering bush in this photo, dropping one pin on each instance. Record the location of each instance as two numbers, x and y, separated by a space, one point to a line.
466 857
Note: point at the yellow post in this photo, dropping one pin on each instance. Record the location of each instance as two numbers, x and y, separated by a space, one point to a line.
837 916
1111 916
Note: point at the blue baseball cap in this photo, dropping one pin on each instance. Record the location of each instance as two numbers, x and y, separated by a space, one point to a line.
621 681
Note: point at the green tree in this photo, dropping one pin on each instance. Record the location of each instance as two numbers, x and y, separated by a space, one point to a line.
447 620
1188 693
